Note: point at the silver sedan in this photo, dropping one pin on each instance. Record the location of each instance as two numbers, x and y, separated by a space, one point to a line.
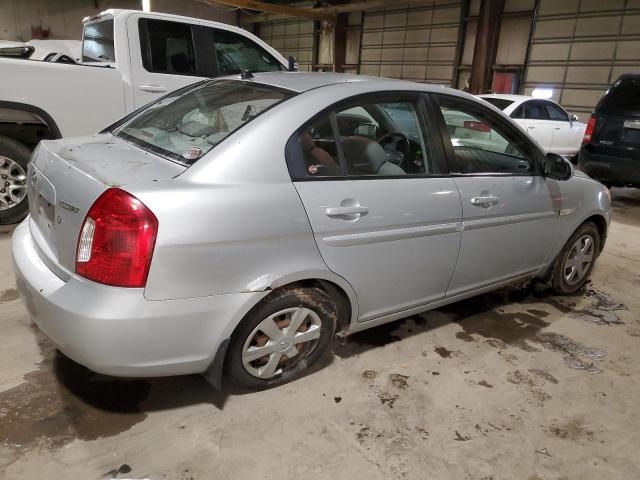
237 225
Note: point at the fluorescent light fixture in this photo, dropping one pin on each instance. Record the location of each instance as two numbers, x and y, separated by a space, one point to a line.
146 5
542 93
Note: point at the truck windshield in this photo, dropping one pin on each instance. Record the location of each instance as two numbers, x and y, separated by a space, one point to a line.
185 125
97 42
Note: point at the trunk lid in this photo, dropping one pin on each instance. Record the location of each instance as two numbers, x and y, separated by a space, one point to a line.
65 178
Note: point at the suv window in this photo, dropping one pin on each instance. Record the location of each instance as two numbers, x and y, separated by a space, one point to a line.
97 42
480 144
556 113
236 53
167 47
186 124
534 110
383 139
623 98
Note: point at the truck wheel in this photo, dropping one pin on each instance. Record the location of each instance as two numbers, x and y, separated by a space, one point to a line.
14 157
281 338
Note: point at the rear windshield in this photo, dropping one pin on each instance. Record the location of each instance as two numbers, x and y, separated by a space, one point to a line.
185 125
501 103
97 42
623 98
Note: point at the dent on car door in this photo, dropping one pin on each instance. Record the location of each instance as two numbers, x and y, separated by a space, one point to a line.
509 221
382 216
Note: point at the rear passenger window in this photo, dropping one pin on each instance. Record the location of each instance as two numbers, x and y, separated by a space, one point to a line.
480 144
167 47
382 139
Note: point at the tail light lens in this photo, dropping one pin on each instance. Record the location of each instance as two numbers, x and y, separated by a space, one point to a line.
117 240
477 126
588 133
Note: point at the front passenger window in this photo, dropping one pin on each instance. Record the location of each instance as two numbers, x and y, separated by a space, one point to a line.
480 144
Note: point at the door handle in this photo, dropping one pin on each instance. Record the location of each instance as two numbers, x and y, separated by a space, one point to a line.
484 202
531 127
557 128
346 211
152 88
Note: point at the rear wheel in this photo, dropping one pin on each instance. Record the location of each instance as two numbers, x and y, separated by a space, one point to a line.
281 338
14 157
576 260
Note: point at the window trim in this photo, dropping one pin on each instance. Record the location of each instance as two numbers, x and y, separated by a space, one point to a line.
145 47
426 125
512 132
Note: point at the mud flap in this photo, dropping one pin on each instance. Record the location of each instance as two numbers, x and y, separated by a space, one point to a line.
213 374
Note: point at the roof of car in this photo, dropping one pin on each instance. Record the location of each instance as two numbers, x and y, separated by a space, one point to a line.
513 98
305 81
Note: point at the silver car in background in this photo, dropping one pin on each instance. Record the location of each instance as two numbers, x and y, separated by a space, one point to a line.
237 224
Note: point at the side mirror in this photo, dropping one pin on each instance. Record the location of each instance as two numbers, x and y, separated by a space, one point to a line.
293 64
557 167
573 118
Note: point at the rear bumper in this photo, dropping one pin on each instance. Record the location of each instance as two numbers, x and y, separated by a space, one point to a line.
614 170
116 331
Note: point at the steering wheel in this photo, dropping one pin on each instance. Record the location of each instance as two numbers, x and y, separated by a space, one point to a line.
397 148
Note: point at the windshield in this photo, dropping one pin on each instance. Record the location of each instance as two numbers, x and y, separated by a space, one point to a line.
184 126
97 42
500 103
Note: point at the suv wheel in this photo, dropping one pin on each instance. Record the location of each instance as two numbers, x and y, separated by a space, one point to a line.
281 338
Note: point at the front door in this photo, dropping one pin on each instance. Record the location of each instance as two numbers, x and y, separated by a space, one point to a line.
382 216
535 121
509 222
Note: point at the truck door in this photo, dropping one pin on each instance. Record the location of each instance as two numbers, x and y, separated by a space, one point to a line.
164 57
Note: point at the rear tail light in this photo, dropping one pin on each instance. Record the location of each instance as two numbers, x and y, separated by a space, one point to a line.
117 240
477 126
588 133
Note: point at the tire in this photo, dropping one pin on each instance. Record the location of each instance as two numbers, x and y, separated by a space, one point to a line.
318 315
571 269
14 158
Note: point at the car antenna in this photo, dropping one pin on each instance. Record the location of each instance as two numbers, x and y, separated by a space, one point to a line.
246 75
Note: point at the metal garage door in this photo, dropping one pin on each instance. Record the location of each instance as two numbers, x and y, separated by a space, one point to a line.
417 42
580 46
291 37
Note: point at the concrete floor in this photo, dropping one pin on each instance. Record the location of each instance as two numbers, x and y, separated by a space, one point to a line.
512 385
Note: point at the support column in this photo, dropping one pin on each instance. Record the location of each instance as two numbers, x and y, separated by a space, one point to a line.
486 45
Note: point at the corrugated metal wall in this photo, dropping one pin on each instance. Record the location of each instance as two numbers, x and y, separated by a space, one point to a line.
412 42
64 17
292 37
580 46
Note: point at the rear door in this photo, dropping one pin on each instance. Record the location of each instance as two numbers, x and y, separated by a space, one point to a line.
383 215
509 221
534 118
168 55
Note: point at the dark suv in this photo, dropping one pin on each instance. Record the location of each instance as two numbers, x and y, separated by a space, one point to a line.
610 149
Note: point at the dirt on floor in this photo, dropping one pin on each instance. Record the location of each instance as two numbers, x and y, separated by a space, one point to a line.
516 384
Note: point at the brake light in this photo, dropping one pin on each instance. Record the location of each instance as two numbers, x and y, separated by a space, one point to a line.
588 133
477 126
116 241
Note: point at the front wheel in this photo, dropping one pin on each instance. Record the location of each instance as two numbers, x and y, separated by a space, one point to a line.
281 338
576 260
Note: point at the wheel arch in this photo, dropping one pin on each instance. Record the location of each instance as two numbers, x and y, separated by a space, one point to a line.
45 118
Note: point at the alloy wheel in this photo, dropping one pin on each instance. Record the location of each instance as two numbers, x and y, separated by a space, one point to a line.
281 340
13 188
579 260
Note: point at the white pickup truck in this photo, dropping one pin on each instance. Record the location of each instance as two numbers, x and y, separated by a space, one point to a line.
129 58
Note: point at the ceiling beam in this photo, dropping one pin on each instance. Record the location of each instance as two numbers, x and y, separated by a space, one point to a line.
333 10
312 13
